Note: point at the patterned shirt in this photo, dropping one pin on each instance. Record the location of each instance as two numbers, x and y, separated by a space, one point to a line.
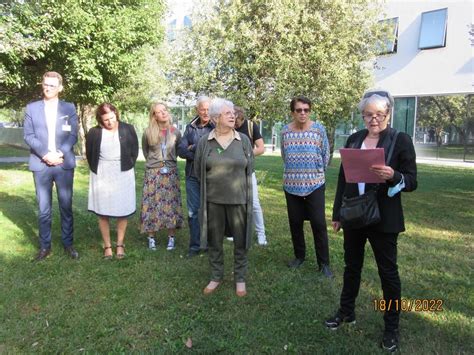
305 156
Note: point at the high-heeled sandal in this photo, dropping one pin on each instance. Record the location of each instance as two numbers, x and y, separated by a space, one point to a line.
120 255
107 257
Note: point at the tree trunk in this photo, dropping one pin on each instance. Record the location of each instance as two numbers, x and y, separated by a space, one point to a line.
85 116
331 133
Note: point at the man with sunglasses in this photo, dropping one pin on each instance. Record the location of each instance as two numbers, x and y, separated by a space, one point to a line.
305 153
50 130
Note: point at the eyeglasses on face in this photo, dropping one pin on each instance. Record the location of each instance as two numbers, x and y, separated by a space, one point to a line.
305 110
49 86
379 117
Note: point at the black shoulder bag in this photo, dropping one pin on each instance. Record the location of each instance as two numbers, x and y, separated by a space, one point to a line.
363 210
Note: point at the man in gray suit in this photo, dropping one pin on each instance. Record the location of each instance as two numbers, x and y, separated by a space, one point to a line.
50 130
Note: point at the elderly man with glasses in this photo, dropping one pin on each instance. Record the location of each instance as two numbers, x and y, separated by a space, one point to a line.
198 127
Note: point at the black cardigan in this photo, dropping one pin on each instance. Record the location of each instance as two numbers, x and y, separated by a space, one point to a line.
403 162
128 146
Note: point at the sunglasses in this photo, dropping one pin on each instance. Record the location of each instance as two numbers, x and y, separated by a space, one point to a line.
380 93
305 110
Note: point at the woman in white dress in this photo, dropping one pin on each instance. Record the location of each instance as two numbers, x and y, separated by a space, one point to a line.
112 150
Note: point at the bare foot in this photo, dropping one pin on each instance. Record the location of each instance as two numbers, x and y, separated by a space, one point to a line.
240 289
211 287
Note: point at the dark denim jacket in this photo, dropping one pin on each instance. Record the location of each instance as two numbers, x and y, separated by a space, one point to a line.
189 141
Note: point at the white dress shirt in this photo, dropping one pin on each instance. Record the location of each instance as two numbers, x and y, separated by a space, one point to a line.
51 113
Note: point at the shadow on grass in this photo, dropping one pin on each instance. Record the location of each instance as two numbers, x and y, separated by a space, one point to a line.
22 215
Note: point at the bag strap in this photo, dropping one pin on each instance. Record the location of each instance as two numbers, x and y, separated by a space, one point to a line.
392 147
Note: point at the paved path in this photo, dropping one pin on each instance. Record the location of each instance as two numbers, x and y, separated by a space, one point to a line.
13 159
440 162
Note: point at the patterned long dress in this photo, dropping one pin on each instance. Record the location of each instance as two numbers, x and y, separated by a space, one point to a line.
161 199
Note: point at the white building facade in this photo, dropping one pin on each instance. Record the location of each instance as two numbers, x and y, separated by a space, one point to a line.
431 53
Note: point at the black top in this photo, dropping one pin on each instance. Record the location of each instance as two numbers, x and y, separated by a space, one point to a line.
403 162
128 146
244 128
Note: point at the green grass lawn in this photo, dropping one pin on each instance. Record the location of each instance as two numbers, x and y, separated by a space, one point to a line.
153 301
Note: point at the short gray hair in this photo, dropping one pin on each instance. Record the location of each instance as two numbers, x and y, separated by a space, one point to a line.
201 99
379 98
216 107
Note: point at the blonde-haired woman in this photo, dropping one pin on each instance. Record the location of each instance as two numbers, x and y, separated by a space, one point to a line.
161 198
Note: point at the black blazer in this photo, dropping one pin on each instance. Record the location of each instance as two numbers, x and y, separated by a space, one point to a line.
403 162
128 146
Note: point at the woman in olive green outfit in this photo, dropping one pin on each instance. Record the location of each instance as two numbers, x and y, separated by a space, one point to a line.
224 163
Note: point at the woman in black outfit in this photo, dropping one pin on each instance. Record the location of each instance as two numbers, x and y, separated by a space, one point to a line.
399 175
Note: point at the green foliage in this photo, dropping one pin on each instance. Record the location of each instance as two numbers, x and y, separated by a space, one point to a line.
442 112
96 45
261 53
147 82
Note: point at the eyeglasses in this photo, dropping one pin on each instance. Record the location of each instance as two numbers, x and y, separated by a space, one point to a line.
305 110
379 117
49 86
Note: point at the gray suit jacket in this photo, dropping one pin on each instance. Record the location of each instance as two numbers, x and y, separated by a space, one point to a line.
36 133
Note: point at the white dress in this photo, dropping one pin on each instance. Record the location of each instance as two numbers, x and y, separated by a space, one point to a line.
111 191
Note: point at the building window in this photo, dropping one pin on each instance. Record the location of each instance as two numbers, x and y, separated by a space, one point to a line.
171 31
390 40
187 22
433 29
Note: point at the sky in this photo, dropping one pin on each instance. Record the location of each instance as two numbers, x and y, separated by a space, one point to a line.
179 8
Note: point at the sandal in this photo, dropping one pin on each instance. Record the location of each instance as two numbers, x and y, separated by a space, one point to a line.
120 255
107 257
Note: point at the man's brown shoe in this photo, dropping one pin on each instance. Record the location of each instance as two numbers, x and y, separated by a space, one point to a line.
42 254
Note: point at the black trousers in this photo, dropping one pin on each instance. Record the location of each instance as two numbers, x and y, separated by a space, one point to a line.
384 246
311 208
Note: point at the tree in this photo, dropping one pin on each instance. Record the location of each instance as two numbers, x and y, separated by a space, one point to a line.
260 53
443 112
147 82
98 45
